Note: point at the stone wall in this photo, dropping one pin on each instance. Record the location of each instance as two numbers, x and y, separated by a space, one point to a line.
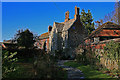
106 62
76 35
59 41
98 49
65 39
44 42
53 39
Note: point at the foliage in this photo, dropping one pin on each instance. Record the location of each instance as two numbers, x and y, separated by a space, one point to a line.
25 39
60 54
112 50
8 63
24 69
87 70
87 20
87 56
45 66
41 66
81 58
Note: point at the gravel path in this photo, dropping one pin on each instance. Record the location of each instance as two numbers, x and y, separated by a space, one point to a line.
73 73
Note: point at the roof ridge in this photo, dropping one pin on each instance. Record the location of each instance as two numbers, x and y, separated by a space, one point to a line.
59 23
101 27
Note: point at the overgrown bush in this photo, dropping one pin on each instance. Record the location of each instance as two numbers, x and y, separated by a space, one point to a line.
25 53
60 54
112 52
8 63
87 56
81 55
45 66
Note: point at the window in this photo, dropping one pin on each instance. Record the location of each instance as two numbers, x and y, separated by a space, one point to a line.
73 27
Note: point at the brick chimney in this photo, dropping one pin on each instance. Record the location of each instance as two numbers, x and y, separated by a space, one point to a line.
77 16
67 16
49 29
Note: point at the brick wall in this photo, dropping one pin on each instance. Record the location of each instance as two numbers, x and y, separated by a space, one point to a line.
106 62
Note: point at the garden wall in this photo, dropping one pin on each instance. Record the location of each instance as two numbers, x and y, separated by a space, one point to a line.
104 61
98 49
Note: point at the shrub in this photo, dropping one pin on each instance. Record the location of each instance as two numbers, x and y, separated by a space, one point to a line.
112 52
8 63
45 66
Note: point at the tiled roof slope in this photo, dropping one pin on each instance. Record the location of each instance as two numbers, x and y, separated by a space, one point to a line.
44 35
8 41
68 24
106 25
64 26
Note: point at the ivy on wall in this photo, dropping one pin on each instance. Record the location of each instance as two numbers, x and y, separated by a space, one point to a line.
112 50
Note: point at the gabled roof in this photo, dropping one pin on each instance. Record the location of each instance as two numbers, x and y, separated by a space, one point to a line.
68 24
7 41
64 26
107 25
44 35
59 26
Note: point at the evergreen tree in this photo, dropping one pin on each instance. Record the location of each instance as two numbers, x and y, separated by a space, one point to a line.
25 39
87 20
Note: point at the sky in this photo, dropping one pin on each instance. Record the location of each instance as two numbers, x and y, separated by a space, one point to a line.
59 0
37 16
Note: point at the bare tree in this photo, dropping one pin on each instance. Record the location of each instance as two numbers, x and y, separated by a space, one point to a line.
113 16
116 15
108 17
97 24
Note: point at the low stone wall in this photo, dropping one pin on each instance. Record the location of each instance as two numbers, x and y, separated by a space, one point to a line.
106 62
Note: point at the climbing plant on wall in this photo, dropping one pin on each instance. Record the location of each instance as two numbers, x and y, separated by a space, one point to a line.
112 50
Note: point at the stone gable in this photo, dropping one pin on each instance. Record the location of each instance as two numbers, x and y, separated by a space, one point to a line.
67 35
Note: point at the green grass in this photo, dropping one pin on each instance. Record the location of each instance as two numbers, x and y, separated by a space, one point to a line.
87 70
24 69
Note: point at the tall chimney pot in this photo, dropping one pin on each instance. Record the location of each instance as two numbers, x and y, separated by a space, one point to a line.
67 16
77 16
49 29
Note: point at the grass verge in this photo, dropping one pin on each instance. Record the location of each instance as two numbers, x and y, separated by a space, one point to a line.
24 70
87 70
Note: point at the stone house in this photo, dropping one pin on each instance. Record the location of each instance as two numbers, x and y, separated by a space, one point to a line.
43 40
67 35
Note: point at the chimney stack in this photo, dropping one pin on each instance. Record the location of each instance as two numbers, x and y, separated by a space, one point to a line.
67 16
49 29
77 16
